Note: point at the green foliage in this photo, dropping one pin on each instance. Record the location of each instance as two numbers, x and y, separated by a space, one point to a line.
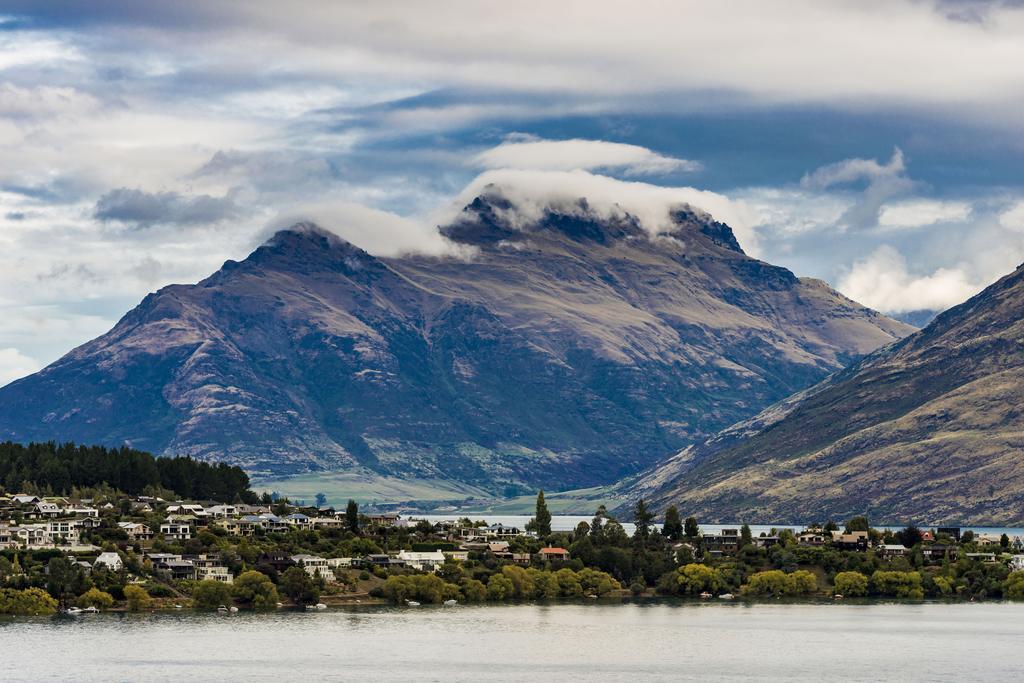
1013 587
94 597
62 467
851 584
691 529
28 602
137 598
673 527
211 594
859 523
694 579
352 516
473 591
642 518
777 583
499 588
542 517
255 589
426 588
897 584
746 537
299 586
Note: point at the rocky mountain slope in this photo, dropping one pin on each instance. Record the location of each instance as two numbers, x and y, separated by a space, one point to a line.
929 429
564 351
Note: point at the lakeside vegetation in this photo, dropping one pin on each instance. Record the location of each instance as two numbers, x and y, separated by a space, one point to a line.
103 548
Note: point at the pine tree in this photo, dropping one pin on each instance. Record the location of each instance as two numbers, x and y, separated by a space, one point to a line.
352 516
642 517
691 528
746 537
673 527
542 518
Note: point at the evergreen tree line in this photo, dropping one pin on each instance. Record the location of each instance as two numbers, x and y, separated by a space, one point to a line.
60 467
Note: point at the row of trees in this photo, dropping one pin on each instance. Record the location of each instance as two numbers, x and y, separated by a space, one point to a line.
59 468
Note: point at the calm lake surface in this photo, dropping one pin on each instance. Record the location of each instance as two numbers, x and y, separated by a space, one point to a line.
569 522
596 641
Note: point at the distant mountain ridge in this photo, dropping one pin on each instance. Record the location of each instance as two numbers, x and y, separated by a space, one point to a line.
566 350
929 429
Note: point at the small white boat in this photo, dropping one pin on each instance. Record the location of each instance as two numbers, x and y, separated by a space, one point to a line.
726 596
450 603
178 607
280 604
317 606
838 596
90 610
232 609
223 609
73 610
705 596
592 596
412 603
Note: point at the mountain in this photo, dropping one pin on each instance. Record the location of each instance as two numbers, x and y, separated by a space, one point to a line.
929 429
565 348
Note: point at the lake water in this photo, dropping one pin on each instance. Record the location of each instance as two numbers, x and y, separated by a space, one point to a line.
596 641
569 522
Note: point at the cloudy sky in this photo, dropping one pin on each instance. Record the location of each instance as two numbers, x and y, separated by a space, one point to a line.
876 145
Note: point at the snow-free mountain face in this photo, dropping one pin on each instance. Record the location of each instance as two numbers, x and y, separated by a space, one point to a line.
563 350
928 430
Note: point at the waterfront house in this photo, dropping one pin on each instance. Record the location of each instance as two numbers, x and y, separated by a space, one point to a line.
553 555
813 538
936 552
456 555
276 560
316 567
892 550
176 569
210 569
727 542
423 561
1017 563
111 561
766 541
855 540
327 523
500 531
25 499
951 531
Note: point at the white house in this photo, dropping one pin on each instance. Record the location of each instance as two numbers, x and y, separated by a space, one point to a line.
111 561
178 531
81 511
316 567
1017 563
222 511
428 561
210 568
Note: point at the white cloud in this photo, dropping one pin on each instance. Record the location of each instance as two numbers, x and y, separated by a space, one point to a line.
1013 217
883 282
884 181
916 213
380 233
527 152
532 191
15 365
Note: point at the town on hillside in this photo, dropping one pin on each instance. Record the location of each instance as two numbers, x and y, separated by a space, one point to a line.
112 550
